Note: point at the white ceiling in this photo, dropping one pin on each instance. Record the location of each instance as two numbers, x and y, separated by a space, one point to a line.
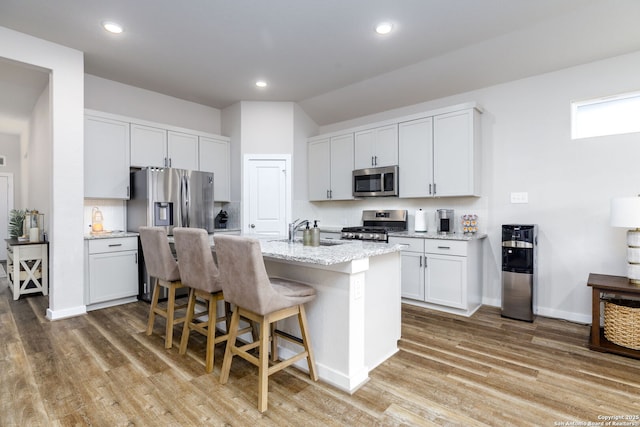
324 54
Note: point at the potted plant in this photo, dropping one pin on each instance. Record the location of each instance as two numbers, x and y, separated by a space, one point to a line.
16 220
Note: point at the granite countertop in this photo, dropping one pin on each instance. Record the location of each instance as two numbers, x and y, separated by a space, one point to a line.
111 235
332 252
435 235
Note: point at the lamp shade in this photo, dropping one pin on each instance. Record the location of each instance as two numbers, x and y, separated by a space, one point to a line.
625 212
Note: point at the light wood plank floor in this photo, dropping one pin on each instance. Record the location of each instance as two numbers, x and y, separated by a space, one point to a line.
102 370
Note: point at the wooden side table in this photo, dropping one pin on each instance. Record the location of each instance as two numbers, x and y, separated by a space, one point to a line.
605 284
27 267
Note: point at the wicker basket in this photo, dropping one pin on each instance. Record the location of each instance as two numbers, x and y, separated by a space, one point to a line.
622 322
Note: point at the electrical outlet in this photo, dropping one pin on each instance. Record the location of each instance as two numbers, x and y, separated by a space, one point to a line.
521 197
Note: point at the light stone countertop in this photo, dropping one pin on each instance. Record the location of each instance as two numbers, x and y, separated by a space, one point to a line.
335 251
435 235
110 235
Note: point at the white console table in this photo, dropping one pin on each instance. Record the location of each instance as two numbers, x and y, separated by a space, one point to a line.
27 267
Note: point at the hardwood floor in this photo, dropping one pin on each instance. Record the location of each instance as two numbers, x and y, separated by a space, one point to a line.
102 370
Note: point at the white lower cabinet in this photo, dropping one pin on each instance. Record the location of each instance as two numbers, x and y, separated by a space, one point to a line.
111 273
442 274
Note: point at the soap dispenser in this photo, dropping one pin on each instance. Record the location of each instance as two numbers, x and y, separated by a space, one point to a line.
315 234
306 236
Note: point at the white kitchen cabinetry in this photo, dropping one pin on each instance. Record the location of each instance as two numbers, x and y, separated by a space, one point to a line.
182 150
214 157
330 167
148 146
440 155
415 158
111 271
443 274
106 158
376 147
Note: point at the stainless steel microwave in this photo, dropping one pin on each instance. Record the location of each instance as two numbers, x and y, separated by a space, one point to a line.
375 182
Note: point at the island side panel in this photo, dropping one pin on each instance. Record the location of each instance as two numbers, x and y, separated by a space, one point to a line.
336 319
383 308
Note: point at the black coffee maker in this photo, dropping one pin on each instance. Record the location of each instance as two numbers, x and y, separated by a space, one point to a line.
221 219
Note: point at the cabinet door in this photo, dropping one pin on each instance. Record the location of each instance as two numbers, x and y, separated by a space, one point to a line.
446 280
386 146
319 169
214 157
148 146
341 167
376 147
415 158
453 154
364 149
113 275
182 150
412 267
106 158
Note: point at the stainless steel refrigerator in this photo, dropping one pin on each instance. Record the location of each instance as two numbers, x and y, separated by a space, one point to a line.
169 198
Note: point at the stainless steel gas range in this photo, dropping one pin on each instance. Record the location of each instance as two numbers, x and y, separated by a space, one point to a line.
376 225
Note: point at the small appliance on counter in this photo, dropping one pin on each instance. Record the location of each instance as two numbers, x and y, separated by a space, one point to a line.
445 221
220 221
420 224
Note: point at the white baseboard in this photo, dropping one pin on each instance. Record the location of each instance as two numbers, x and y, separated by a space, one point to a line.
68 312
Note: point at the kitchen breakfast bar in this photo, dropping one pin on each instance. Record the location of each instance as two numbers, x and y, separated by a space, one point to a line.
355 319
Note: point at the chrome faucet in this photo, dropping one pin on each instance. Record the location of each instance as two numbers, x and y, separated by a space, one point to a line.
294 227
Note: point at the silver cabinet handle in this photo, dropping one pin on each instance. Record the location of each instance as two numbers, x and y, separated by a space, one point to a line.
429 188
444 247
434 188
115 244
420 260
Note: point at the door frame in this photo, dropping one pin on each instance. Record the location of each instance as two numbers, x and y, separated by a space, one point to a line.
10 197
248 158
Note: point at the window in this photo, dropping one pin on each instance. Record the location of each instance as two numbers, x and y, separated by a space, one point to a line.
606 116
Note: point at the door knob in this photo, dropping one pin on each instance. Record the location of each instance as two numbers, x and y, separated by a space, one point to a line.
252 225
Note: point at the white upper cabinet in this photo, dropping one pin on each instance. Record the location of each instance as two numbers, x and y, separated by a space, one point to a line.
415 158
329 167
182 150
456 153
148 146
106 158
376 147
440 155
214 157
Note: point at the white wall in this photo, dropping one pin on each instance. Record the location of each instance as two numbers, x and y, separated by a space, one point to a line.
527 147
10 148
66 179
37 160
118 98
267 127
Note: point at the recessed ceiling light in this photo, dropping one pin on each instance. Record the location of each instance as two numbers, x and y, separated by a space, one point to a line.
261 83
384 28
112 27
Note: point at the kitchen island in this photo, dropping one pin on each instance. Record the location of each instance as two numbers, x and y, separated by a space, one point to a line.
355 319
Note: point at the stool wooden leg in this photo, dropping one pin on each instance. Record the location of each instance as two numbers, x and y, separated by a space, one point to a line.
171 304
231 343
274 342
211 333
187 321
154 304
304 331
263 369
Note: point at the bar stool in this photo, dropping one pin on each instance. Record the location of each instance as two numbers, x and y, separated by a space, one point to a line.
163 268
263 300
199 272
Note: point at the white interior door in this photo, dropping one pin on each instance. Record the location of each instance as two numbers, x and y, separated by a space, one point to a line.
6 204
266 197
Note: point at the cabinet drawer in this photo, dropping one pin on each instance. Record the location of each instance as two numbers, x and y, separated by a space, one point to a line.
27 252
98 246
446 247
414 244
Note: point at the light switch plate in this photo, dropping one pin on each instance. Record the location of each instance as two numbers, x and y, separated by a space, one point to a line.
521 197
